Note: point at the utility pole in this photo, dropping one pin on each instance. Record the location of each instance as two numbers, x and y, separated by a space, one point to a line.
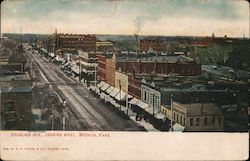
171 105
127 102
95 77
120 93
80 71
153 104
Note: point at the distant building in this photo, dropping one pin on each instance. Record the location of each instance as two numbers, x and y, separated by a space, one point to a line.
104 46
72 42
15 101
155 45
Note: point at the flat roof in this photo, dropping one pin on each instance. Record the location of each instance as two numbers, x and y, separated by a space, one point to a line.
196 109
15 77
159 58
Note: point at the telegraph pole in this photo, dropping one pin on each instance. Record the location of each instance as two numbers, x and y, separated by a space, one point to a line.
127 102
95 77
171 105
120 93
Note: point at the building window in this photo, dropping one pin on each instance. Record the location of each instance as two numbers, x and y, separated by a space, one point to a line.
205 121
197 121
219 120
145 95
184 121
9 115
213 120
191 121
177 117
181 119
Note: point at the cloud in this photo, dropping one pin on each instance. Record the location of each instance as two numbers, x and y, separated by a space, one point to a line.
126 16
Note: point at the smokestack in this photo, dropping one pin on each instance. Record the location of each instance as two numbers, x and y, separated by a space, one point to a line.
136 40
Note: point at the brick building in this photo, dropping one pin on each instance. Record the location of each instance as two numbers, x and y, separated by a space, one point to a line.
104 46
159 65
110 70
157 45
67 42
101 73
134 85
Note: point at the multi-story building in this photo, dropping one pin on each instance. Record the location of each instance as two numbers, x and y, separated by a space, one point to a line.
152 96
134 85
121 81
156 45
88 65
101 73
67 42
15 101
110 70
198 116
158 64
104 46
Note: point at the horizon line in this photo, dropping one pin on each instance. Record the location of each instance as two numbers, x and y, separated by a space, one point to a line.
243 36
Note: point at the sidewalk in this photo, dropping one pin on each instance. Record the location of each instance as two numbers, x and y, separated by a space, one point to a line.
149 127
144 124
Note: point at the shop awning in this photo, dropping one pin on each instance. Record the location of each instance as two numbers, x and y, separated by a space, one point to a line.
97 91
113 102
120 96
134 101
114 92
66 64
102 95
178 127
75 69
105 86
110 89
150 110
108 98
100 84
142 105
160 116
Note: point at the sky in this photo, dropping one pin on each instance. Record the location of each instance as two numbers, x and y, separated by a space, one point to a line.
125 17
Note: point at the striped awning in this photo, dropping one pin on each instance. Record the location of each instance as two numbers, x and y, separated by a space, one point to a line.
105 86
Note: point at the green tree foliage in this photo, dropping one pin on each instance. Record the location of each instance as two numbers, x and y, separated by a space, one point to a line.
239 57
214 54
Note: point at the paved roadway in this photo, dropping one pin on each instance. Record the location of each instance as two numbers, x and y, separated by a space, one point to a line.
85 112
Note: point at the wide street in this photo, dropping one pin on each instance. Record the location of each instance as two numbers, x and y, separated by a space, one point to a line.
83 110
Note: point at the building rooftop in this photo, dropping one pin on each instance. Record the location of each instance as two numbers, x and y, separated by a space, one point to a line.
15 76
103 43
198 109
153 57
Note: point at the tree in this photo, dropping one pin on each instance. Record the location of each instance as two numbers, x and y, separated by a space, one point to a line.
215 54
